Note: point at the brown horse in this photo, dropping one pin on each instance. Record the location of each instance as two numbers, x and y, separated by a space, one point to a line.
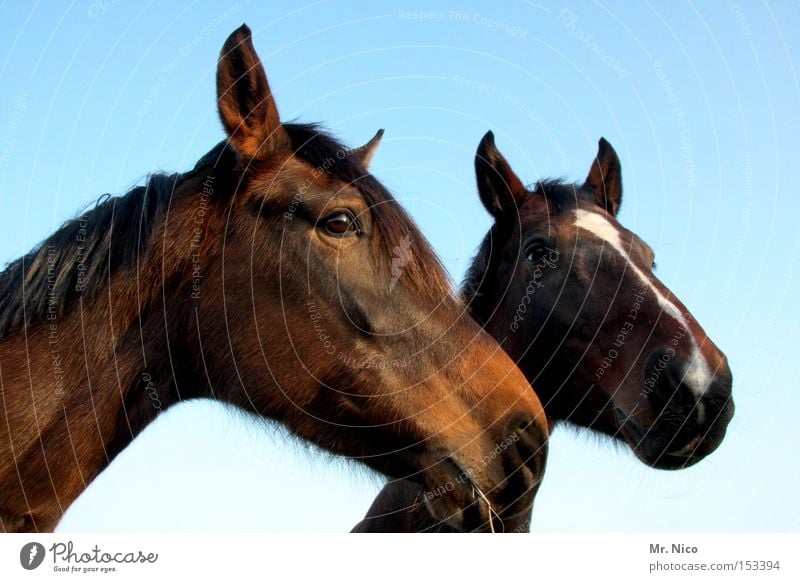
266 278
571 295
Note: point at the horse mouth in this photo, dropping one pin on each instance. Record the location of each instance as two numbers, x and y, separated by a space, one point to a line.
452 497
661 446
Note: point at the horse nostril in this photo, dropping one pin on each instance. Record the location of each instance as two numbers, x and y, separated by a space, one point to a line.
525 430
665 384
527 437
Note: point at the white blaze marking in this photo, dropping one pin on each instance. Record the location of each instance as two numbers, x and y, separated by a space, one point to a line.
696 374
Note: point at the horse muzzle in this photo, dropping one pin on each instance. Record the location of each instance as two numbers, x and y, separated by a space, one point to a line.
493 493
686 424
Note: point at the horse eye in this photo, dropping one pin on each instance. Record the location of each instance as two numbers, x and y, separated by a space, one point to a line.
534 252
341 224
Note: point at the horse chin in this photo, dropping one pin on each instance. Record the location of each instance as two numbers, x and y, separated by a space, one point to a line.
452 499
459 514
652 445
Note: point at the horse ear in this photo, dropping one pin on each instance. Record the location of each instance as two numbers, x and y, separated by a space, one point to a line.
363 155
605 178
500 189
246 106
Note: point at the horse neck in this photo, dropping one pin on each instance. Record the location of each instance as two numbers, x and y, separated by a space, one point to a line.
484 309
76 394
127 361
81 385
156 348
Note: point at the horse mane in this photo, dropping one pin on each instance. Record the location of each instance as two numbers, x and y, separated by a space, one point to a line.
86 251
559 195
80 257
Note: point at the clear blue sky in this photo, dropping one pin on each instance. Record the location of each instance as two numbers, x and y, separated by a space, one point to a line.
701 102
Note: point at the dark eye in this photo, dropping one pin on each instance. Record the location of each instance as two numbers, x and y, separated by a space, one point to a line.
341 224
535 251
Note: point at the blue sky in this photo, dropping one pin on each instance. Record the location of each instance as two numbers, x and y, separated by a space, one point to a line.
699 100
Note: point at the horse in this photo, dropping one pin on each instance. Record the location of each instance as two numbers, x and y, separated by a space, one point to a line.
571 295
265 278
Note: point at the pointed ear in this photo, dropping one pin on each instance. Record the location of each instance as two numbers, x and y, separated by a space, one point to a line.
500 189
605 178
246 106
363 155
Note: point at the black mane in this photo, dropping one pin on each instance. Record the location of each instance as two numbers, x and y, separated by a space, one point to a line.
81 256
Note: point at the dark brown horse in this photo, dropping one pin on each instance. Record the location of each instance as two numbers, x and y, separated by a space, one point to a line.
571 295
267 278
